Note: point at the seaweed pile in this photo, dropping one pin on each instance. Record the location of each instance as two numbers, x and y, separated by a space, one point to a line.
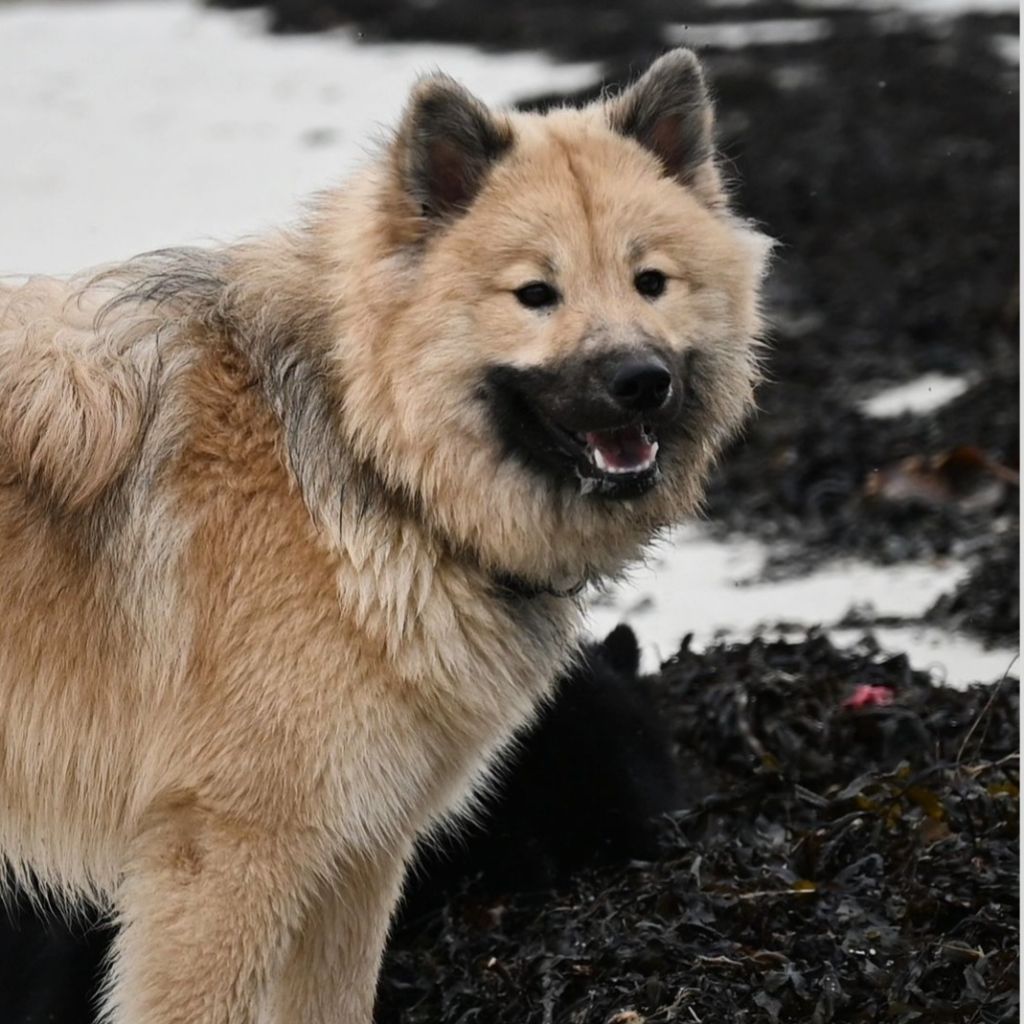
849 854
988 601
895 201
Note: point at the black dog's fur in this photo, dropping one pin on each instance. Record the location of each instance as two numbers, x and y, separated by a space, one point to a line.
587 785
50 969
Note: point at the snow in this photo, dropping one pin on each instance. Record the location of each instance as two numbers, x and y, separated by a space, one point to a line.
143 123
1007 47
736 35
710 586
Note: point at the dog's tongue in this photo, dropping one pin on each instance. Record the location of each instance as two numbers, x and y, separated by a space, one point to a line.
626 450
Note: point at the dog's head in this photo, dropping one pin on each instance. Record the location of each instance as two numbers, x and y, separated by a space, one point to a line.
554 319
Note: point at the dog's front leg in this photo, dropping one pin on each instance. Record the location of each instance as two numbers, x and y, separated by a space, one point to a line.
208 908
330 976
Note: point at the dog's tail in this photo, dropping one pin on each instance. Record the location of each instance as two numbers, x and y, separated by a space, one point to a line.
73 402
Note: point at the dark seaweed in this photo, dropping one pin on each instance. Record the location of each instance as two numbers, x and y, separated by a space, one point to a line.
988 601
832 865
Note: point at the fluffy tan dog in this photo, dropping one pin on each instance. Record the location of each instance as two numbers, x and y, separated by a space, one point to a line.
287 528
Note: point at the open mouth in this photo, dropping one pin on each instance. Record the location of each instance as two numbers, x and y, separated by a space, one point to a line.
621 451
618 462
599 450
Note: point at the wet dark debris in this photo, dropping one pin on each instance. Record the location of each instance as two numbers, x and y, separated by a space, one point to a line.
987 603
831 865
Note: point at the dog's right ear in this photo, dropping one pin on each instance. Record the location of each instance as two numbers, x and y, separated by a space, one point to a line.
447 143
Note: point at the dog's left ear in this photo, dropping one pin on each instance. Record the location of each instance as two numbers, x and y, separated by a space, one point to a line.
446 145
669 112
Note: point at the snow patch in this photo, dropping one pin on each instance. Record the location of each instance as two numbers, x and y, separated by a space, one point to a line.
737 35
134 125
698 585
1007 47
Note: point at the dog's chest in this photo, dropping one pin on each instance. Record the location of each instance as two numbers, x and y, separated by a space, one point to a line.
448 729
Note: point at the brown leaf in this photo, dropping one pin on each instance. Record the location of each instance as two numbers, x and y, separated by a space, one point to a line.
965 475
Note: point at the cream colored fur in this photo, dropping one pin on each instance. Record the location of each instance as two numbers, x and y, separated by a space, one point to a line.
250 514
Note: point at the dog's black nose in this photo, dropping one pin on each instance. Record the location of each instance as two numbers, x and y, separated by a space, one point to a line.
641 384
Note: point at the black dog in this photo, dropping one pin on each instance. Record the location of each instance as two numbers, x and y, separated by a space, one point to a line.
586 786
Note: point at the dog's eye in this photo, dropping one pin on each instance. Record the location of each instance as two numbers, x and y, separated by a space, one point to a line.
537 295
650 283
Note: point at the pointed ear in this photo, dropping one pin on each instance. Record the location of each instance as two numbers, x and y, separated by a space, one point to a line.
622 649
669 112
446 145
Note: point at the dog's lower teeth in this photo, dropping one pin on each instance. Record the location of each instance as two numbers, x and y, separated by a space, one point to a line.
601 462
